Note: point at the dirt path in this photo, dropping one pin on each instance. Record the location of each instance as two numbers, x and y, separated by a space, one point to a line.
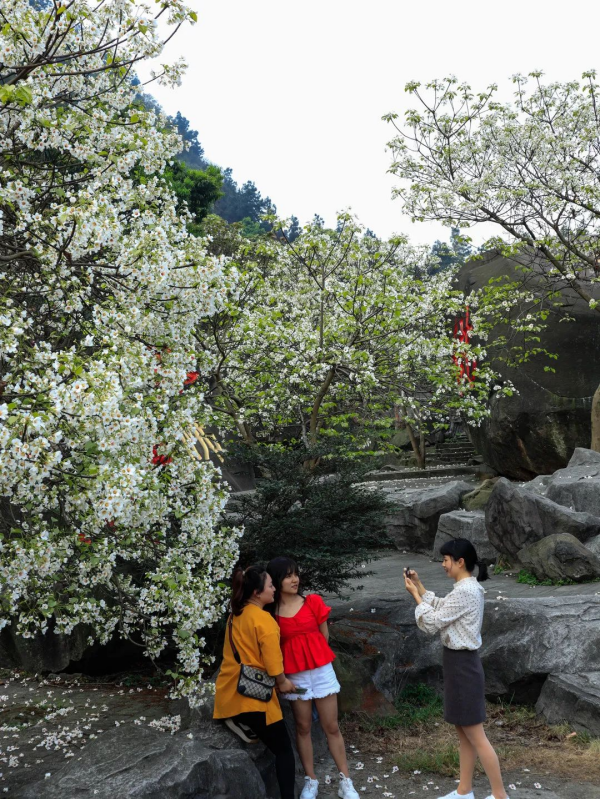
45 723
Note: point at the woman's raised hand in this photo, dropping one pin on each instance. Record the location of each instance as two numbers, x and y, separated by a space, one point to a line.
411 587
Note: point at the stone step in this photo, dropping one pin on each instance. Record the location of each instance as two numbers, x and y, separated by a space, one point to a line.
445 450
455 457
410 474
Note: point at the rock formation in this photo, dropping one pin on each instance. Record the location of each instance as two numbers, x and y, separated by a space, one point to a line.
536 430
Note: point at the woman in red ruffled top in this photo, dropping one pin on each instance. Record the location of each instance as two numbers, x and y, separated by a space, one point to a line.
307 659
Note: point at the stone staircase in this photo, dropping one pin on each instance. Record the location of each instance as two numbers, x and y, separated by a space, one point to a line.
455 451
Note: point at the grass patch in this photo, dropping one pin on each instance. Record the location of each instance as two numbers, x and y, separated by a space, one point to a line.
527 578
594 747
444 761
502 565
416 705
530 579
417 739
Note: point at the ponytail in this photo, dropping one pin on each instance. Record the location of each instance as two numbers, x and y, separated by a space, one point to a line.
458 548
243 584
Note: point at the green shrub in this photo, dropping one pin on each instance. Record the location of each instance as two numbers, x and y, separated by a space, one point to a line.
310 505
530 579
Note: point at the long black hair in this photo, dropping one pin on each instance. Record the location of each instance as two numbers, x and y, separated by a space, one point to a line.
279 568
459 548
244 583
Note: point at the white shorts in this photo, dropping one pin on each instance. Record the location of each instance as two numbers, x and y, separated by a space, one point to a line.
319 683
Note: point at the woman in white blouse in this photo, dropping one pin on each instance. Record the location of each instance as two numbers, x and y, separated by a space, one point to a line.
458 618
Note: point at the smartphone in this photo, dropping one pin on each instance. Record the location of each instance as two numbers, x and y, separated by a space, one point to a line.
301 690
407 571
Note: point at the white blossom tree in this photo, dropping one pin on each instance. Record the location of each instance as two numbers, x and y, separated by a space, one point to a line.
332 330
530 166
107 518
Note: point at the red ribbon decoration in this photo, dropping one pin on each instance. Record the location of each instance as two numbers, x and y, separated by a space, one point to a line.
462 332
160 460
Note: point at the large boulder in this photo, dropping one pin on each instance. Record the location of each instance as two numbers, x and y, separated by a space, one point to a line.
152 765
469 525
560 557
574 698
516 517
535 430
48 651
593 544
354 671
578 485
413 524
524 640
478 498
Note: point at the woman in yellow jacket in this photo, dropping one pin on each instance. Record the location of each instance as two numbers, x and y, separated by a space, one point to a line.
256 638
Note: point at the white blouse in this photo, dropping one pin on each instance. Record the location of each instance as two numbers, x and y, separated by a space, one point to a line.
457 617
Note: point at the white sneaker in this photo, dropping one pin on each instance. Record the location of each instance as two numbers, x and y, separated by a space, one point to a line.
310 790
457 795
346 789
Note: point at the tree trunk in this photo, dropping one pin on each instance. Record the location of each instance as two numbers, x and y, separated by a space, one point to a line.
314 417
596 421
418 445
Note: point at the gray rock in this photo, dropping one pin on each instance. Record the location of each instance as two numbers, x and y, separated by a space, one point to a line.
584 457
559 557
536 429
516 517
572 698
215 735
524 640
578 486
538 485
413 524
593 544
478 499
43 652
469 525
152 765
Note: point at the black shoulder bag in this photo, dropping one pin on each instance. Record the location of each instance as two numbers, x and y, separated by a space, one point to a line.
253 683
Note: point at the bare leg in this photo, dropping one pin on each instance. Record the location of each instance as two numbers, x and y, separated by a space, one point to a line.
302 710
488 757
468 756
328 713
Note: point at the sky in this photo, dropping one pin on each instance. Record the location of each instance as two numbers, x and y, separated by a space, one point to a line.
291 94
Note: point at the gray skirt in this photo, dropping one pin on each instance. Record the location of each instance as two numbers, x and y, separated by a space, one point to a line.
464 687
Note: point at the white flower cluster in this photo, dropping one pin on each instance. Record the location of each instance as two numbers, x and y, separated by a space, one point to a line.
529 166
335 329
106 518
166 724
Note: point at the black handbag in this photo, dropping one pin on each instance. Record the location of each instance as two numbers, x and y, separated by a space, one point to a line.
254 683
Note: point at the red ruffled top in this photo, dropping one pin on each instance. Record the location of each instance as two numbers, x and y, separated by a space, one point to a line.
302 643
